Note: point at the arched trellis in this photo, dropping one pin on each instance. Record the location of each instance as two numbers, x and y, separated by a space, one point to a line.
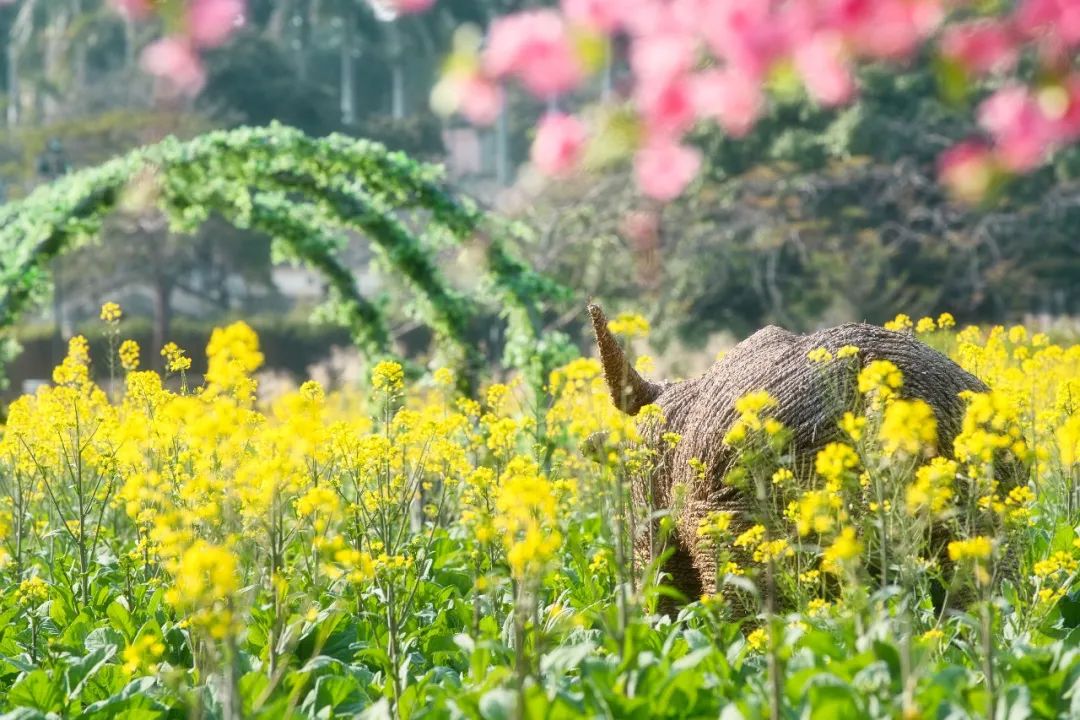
300 191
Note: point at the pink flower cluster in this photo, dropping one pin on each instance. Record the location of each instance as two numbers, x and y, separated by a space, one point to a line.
176 57
696 60
1022 125
747 40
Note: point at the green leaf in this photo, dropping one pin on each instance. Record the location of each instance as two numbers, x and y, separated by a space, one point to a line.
121 620
691 660
62 607
498 704
75 634
564 659
79 671
104 637
39 690
834 702
23 713
135 691
342 695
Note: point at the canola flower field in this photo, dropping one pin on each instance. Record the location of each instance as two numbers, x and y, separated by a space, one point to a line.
173 550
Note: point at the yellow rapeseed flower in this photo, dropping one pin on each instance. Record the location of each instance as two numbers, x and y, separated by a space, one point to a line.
881 377
143 655
899 323
175 361
129 355
31 592
1068 440
978 548
629 325
835 460
909 427
750 538
757 640
111 312
843 551
853 425
932 489
388 376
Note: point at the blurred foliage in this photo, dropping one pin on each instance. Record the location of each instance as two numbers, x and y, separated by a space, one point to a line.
292 343
300 192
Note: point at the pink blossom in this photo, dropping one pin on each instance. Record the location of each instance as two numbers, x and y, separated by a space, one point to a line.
1058 19
732 98
968 170
663 168
888 29
980 47
175 60
744 33
889 32
601 16
824 70
211 22
651 17
536 47
412 7
134 9
667 106
927 15
479 100
662 56
1021 131
559 144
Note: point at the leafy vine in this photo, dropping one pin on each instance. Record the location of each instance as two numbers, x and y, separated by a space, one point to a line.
304 193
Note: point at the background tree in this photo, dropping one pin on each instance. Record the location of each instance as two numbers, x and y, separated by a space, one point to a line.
815 217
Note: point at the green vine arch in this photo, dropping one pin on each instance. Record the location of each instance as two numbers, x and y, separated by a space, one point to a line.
302 192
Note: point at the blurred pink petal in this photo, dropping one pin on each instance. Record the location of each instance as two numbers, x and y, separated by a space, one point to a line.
664 56
663 168
732 98
1022 132
1022 153
650 17
967 170
559 144
175 60
824 70
536 47
134 9
980 47
600 15
480 100
412 7
1058 19
744 33
667 106
1004 110
211 22
889 29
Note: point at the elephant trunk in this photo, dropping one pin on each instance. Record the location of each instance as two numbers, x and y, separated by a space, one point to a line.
629 391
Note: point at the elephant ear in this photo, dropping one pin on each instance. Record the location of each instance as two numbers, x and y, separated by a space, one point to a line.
629 391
